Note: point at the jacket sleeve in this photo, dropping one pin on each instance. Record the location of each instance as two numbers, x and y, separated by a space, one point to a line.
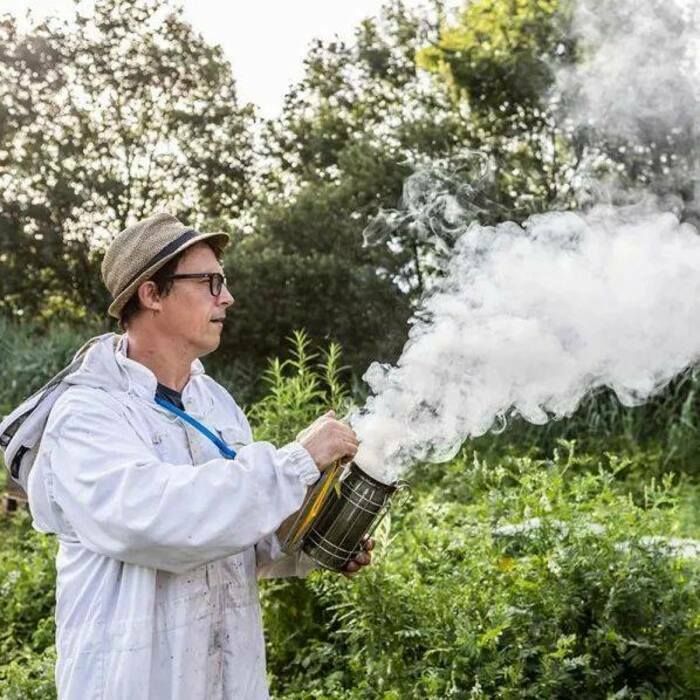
271 560
123 502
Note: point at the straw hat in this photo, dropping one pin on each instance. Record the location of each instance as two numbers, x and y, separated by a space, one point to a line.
139 251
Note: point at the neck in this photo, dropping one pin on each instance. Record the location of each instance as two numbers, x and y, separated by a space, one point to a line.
164 357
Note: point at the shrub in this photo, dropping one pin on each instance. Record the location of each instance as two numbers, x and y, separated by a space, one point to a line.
509 576
27 579
299 390
31 355
666 428
29 676
545 583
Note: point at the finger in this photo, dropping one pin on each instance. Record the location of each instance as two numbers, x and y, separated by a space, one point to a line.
347 432
363 558
329 414
351 567
351 447
368 544
345 451
347 455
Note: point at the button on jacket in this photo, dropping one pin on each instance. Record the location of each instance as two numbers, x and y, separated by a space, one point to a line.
161 539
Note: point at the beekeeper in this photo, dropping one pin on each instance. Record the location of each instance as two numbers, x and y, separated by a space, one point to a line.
164 507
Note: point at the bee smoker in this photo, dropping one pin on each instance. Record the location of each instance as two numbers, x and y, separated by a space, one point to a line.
342 507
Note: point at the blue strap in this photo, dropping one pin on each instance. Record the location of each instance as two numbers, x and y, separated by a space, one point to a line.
225 450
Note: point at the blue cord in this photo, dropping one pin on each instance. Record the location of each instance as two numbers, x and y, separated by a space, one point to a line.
225 450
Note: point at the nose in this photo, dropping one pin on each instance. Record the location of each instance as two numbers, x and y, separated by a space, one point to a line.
226 298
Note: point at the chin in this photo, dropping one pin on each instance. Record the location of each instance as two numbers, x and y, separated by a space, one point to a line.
207 346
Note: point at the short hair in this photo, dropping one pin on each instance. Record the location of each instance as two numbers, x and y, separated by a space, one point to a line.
163 284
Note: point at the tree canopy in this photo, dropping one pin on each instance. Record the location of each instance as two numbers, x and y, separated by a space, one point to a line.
127 110
102 121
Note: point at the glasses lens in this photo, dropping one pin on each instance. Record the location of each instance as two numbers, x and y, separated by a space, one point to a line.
217 282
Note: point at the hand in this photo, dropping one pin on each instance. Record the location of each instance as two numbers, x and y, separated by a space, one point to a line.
327 440
362 558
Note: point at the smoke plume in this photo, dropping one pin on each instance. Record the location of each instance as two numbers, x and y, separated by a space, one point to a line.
528 319
639 72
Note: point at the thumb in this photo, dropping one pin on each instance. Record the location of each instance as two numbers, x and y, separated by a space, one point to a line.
330 414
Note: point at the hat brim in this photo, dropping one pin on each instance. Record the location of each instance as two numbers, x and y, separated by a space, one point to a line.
123 297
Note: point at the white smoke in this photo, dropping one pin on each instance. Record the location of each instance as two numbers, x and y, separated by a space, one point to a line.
639 70
530 319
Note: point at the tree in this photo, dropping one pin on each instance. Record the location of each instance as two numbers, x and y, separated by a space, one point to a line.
104 120
351 132
497 59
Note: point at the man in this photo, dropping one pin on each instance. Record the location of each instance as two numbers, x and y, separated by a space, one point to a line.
165 518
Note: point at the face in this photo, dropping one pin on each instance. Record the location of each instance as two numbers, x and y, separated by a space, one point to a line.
190 315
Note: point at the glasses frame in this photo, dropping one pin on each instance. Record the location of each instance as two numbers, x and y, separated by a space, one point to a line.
213 277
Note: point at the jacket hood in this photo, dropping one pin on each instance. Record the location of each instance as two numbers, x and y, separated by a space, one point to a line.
101 363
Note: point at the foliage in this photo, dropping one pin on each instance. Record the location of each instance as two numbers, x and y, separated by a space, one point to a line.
125 109
496 55
29 677
350 132
103 120
26 609
325 283
664 432
298 391
524 567
32 354
544 582
504 576
497 59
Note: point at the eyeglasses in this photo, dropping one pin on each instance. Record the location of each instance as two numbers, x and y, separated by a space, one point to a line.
216 280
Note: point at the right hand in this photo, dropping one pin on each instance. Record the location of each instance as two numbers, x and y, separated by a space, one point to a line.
327 440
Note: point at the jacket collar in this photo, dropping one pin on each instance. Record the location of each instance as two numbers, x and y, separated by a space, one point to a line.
107 366
141 379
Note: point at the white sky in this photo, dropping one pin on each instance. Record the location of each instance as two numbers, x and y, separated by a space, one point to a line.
240 26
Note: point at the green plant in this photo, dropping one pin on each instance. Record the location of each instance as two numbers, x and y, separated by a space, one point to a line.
299 389
666 429
29 676
546 581
508 575
31 355
27 578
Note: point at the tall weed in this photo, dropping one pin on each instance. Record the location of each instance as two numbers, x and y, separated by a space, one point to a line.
298 390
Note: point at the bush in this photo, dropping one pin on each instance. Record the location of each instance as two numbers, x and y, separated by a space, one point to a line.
545 583
32 355
27 580
30 676
666 429
298 391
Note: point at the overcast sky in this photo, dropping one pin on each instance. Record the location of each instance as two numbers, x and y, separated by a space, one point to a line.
265 40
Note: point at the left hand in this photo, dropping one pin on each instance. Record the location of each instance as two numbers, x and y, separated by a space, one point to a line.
362 558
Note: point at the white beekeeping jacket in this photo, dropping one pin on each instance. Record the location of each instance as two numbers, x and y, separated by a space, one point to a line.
160 538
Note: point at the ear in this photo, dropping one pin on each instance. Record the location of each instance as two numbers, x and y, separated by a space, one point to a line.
149 297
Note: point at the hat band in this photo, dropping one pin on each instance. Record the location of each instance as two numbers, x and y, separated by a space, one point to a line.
171 247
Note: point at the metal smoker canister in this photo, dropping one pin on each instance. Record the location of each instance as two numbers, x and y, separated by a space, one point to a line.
344 506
